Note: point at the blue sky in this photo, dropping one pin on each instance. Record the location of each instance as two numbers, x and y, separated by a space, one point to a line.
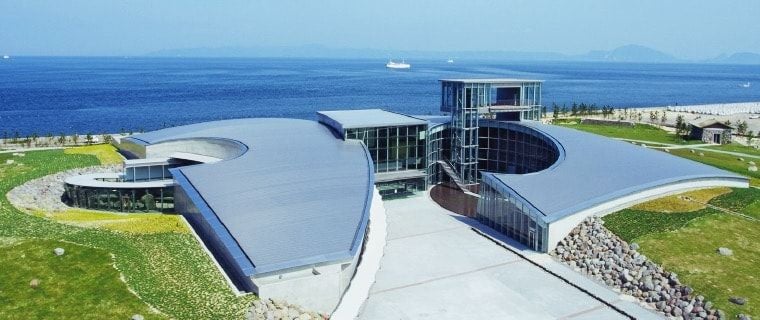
688 29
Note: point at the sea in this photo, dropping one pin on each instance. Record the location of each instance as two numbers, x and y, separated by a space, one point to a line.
54 95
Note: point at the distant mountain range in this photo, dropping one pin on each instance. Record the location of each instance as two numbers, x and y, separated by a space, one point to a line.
628 53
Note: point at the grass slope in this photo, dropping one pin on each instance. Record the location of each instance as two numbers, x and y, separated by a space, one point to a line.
105 153
678 203
132 223
168 270
639 132
686 243
81 284
691 252
735 147
723 161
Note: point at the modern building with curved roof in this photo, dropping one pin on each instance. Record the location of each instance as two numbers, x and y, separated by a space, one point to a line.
283 205
285 208
589 175
536 182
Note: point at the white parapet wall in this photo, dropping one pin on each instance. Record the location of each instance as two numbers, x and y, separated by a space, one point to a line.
358 291
339 288
559 229
317 288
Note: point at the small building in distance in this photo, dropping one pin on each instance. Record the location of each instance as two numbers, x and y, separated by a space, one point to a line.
711 131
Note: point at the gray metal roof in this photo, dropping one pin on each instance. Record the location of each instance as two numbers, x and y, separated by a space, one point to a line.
434 120
365 118
298 196
593 169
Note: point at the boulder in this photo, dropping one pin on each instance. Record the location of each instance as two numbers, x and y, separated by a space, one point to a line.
752 168
737 300
58 251
34 283
725 251
688 308
647 283
137 317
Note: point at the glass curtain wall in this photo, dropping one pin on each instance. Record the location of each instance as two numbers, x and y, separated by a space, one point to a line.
531 96
438 148
508 214
123 200
511 148
393 148
465 100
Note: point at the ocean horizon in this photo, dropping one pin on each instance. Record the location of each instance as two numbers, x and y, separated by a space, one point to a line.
109 94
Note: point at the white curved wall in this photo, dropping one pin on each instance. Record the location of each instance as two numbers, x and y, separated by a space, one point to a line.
358 291
217 148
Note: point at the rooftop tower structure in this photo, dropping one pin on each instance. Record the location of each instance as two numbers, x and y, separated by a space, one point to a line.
469 100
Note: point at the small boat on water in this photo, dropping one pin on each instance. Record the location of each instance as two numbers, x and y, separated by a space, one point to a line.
6 57
397 65
450 60
746 85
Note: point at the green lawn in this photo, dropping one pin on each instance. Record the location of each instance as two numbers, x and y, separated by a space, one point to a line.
735 147
686 243
167 269
639 132
105 153
630 224
81 284
723 161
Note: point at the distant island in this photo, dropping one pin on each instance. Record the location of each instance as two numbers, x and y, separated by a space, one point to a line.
627 53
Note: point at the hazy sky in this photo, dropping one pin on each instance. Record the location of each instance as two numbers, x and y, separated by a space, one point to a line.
689 29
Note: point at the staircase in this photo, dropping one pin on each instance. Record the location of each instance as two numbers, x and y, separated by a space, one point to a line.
449 169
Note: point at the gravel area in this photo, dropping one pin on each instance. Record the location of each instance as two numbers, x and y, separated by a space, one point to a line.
45 193
273 309
595 251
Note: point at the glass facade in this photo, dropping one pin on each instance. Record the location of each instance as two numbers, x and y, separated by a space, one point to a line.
438 148
509 214
148 173
531 96
394 148
467 101
463 101
400 188
504 147
123 200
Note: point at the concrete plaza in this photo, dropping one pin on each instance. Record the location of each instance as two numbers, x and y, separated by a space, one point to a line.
436 267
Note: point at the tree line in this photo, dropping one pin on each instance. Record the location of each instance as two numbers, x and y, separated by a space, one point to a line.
50 140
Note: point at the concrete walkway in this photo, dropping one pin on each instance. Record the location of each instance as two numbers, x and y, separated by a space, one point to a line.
437 267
